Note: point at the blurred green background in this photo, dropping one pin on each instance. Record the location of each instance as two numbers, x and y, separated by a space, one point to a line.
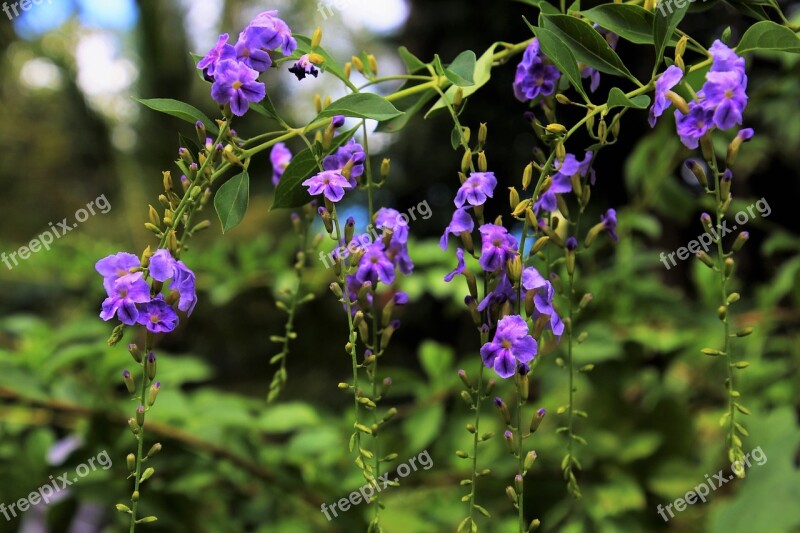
71 132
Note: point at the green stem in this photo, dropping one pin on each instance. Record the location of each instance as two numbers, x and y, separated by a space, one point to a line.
140 436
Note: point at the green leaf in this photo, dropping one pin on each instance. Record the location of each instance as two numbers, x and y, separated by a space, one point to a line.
412 62
462 69
616 98
481 76
266 108
180 110
665 21
586 44
553 47
290 191
630 22
768 36
231 201
361 105
328 65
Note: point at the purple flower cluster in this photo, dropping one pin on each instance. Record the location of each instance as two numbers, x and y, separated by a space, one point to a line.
668 79
383 257
129 297
562 180
233 69
720 102
534 77
331 181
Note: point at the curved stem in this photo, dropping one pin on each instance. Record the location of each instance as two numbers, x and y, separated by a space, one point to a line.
140 436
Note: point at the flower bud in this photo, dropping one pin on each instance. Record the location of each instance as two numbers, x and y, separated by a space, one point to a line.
512 495
130 384
725 185
348 69
147 474
508 436
705 220
728 267
585 301
482 163
743 136
556 129
154 449
153 393
530 458
740 241
373 63
527 176
483 132
385 168
536 421
518 482
514 269
698 171
563 100
705 258
150 365
513 198
140 415
458 98
131 461
501 405
358 64
316 38
462 375
489 387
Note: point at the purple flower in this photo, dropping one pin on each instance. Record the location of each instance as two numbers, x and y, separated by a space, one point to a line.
724 59
461 222
511 343
571 244
543 299
401 298
668 79
375 266
477 187
391 219
338 160
221 51
162 265
158 316
694 125
183 281
398 254
562 180
609 220
271 33
304 67
280 157
124 294
249 51
459 269
502 293
330 183
337 121
725 94
114 267
235 83
533 76
497 247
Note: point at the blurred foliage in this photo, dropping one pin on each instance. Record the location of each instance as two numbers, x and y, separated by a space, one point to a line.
233 463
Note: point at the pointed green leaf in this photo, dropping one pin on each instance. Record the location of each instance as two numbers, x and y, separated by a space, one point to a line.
616 98
481 76
631 22
462 69
586 44
410 106
768 36
231 201
180 110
